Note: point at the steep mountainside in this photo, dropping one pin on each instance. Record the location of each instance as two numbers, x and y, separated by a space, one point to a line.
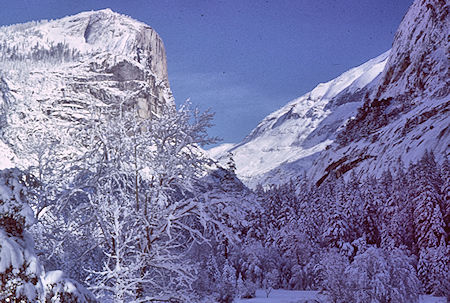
287 141
392 107
409 112
59 72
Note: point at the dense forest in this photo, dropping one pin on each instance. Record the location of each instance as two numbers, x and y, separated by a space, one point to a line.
138 214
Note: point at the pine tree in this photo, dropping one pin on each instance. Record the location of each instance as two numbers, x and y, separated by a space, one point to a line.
428 217
445 190
440 258
337 233
231 165
355 203
227 290
397 225
372 206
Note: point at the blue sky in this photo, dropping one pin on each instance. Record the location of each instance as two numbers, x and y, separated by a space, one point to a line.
246 58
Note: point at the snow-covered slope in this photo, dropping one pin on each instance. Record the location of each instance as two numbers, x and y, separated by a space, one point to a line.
409 110
59 72
288 140
394 106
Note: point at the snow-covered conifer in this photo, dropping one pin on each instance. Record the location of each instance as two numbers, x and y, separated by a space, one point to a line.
59 288
20 269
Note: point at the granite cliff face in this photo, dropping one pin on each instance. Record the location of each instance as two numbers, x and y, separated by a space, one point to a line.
56 72
419 62
408 111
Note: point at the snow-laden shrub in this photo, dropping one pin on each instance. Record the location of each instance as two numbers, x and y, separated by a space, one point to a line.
15 213
20 270
227 288
59 288
246 289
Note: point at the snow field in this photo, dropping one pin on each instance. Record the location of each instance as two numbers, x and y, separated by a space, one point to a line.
308 296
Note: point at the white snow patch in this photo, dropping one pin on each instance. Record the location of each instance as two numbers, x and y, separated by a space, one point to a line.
219 151
303 296
431 299
6 156
283 296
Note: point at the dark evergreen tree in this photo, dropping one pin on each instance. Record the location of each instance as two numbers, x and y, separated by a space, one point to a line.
337 233
397 214
445 201
372 207
425 184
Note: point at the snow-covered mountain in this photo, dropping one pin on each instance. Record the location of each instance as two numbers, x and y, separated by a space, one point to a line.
287 141
408 112
394 106
56 72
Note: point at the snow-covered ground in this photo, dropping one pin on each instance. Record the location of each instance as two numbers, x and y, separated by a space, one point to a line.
431 299
297 296
283 296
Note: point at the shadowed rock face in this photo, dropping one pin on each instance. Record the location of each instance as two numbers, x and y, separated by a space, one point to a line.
419 60
125 71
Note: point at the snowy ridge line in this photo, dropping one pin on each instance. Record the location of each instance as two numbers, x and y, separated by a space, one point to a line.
353 79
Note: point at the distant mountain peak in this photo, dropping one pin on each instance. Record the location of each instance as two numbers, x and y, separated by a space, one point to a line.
408 112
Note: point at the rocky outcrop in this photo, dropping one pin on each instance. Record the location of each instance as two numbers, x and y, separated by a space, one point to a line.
112 57
419 62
